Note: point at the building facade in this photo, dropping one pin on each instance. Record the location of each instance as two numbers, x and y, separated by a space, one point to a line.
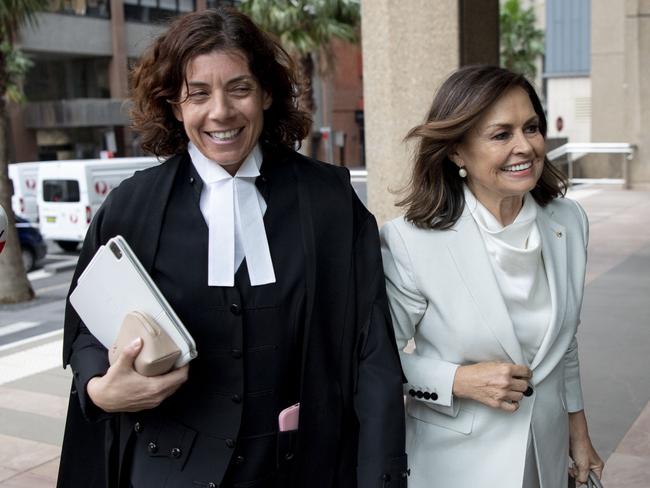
598 81
567 69
620 84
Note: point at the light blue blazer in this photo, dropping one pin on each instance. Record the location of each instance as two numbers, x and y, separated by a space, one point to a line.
444 295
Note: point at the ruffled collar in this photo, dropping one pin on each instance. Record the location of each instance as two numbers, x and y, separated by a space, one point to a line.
515 235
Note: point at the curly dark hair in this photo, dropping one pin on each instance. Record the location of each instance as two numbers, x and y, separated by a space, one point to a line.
158 78
435 198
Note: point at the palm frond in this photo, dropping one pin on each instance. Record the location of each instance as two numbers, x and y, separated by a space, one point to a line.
15 13
305 25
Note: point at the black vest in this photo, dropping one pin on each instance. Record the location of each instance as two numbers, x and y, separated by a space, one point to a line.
220 428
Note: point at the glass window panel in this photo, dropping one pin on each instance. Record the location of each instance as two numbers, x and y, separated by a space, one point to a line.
186 5
168 4
61 190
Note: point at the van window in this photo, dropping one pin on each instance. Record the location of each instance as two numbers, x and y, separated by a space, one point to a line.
61 190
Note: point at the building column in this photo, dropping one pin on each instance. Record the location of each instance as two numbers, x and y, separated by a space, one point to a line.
620 48
118 73
637 100
409 48
608 81
118 68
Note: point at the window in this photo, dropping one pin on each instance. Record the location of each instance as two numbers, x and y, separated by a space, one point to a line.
568 41
76 78
156 10
216 3
90 8
61 190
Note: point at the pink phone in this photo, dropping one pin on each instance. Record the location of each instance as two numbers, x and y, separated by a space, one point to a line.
288 418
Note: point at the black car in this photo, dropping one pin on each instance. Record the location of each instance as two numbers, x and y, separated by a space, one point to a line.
31 243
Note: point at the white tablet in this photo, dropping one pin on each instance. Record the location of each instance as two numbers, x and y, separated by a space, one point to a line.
115 283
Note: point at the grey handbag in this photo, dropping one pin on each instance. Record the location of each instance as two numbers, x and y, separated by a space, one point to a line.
592 481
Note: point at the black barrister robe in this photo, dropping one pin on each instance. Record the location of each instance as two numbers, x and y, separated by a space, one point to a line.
351 415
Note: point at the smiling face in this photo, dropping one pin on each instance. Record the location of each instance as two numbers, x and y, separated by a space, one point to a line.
222 107
504 153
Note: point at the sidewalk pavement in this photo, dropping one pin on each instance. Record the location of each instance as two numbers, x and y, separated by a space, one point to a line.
614 349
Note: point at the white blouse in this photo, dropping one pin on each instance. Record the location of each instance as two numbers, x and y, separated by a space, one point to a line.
515 253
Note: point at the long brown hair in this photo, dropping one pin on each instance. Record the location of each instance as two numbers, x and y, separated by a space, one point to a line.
159 76
435 198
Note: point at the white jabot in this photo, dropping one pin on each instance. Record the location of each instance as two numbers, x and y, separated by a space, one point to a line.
515 253
233 209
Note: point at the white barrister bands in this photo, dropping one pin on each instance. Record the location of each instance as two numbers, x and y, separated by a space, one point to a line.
221 225
233 208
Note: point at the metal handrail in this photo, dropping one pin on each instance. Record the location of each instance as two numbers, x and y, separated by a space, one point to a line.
358 175
582 148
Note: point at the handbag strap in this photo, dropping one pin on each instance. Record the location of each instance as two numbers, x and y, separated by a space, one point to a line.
593 481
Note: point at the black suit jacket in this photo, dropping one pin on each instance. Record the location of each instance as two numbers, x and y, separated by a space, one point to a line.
351 416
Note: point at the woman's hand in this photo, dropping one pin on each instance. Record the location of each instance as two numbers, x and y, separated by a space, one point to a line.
584 455
123 389
497 385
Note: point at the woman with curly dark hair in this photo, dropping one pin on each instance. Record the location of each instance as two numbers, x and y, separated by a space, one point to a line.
272 264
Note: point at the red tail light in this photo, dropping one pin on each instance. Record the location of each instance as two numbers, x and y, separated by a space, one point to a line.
88 214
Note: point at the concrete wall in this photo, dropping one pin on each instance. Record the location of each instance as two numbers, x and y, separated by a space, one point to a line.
570 98
408 49
72 35
637 71
620 43
67 35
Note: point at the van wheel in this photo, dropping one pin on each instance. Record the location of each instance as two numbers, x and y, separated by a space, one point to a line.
68 245
28 259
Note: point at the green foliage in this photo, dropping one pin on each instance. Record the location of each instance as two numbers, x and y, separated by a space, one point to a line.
521 42
13 64
14 13
16 65
306 26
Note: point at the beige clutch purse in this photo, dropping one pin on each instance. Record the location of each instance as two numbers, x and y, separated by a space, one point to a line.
158 353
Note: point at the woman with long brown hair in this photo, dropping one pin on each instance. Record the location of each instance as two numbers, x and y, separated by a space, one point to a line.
485 272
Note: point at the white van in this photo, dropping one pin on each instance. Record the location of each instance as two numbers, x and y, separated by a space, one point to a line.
24 178
70 193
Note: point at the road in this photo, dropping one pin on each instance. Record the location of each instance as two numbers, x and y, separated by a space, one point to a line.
43 315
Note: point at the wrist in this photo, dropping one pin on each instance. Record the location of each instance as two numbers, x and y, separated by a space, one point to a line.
93 390
578 425
458 385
